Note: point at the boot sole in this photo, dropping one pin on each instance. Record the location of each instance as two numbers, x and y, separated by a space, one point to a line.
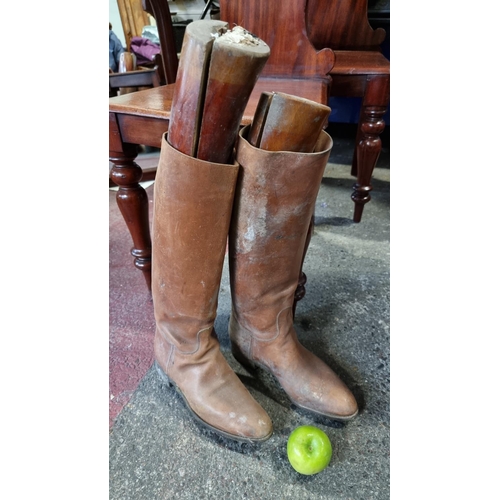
253 366
165 378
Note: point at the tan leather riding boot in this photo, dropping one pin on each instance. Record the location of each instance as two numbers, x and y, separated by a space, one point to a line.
274 203
193 200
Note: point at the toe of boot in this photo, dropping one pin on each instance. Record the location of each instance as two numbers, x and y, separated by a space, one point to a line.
216 397
338 404
241 418
254 425
312 385
326 395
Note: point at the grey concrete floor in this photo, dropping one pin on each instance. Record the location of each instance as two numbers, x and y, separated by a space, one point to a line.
158 452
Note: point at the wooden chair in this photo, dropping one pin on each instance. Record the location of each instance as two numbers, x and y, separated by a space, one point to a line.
360 70
133 80
294 67
160 10
130 78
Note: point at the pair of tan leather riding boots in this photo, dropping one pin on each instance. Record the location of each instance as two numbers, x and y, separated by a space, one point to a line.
264 203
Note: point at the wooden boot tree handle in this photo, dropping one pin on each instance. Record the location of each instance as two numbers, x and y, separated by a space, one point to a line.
218 69
192 74
237 60
285 122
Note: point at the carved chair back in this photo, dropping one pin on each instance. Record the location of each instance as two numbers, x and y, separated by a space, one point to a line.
341 25
283 28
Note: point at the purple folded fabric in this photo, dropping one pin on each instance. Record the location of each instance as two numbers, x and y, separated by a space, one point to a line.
144 49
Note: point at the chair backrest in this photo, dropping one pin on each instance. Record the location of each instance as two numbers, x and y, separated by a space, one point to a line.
131 81
136 78
341 25
283 28
160 10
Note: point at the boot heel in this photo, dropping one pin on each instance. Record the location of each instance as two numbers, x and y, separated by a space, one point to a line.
241 358
163 376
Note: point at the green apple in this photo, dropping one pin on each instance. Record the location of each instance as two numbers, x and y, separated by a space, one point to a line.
309 450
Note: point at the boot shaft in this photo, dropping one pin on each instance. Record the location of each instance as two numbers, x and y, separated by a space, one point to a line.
274 204
192 210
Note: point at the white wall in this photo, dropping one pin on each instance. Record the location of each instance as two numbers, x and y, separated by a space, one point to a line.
114 19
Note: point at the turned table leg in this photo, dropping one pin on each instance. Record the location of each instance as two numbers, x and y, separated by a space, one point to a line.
132 201
368 143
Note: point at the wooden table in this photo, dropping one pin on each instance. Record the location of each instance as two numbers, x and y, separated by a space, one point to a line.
141 118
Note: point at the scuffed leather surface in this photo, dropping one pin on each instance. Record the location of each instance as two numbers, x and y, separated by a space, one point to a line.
192 211
274 204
